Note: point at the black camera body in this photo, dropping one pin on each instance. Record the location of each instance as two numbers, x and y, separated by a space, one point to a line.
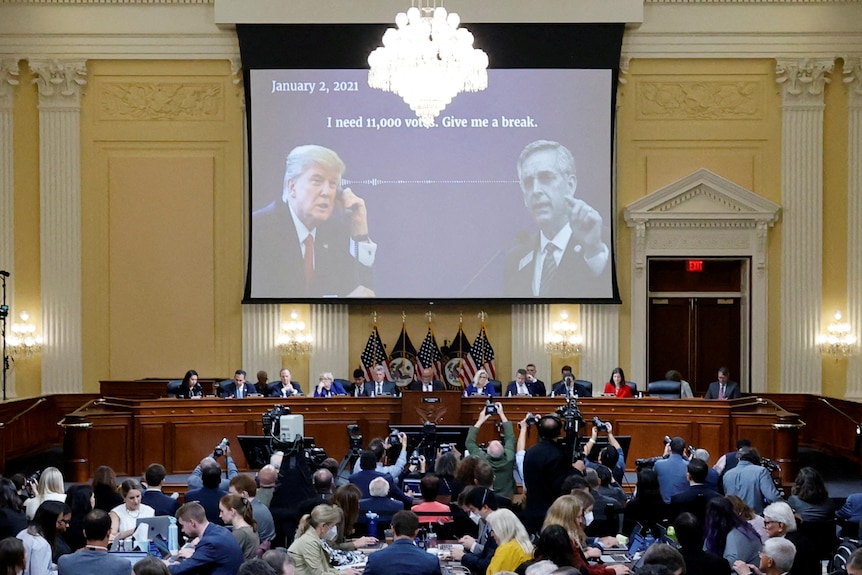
34 478
490 408
445 448
414 459
394 439
531 418
218 450
570 413
599 424
271 420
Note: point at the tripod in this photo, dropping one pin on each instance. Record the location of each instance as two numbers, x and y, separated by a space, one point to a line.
4 313
345 468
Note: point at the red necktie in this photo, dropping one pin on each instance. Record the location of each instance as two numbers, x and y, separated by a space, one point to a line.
309 260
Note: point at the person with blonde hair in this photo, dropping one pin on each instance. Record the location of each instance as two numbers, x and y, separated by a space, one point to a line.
49 488
514 546
307 549
480 385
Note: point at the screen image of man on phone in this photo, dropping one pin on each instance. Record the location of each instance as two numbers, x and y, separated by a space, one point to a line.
314 241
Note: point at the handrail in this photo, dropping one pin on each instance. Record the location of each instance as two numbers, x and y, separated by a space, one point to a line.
842 412
20 415
104 402
83 425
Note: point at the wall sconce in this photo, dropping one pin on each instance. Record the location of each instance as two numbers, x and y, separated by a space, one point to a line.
837 342
23 342
294 340
564 340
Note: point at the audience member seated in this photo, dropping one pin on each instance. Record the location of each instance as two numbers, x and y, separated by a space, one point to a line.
430 486
402 557
854 563
12 516
216 551
40 537
689 536
476 554
124 517
379 502
49 488
446 469
79 498
616 385
105 489
809 498
666 556
307 549
94 558
235 511
611 456
749 481
367 465
672 470
608 487
552 545
514 546
647 506
280 561
695 498
328 387
323 489
604 519
210 494
285 387
777 558
245 486
348 497
189 387
728 535
749 516
162 504
480 385
239 388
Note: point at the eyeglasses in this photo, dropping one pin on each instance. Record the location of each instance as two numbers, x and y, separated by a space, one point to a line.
768 522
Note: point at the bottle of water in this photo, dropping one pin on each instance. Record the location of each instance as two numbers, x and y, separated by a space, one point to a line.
649 540
371 521
173 536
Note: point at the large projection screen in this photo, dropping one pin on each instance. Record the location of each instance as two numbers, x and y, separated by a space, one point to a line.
459 211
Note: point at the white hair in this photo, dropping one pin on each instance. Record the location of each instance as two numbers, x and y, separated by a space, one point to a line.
780 550
378 487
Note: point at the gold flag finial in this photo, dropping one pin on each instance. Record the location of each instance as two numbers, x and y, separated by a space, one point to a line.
374 317
482 316
403 316
430 317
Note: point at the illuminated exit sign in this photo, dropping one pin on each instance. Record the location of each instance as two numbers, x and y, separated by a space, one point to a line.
695 265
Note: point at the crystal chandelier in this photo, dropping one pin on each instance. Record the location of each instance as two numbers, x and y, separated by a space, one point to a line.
24 341
837 342
428 60
293 340
564 340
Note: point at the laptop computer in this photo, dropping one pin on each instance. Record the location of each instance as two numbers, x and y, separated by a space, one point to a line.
636 543
665 538
132 556
636 530
412 485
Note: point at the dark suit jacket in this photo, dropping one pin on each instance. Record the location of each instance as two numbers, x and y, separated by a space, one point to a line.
209 499
512 389
229 389
546 466
478 562
385 507
277 262
274 389
573 277
702 563
402 558
693 500
217 553
389 387
579 390
417 385
366 391
731 391
362 479
161 503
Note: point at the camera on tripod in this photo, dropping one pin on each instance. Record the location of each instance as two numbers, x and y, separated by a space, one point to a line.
490 408
271 420
570 413
218 450
599 424
354 437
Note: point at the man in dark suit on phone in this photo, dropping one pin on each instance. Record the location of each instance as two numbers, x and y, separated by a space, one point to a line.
569 256
299 247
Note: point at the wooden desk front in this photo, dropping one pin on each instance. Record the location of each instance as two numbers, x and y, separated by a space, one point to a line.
129 434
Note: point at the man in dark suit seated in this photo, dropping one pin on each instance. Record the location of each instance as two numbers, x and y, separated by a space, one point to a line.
568 386
361 479
689 535
217 551
323 487
426 382
695 498
379 502
239 387
403 557
520 386
723 388
539 388
284 387
210 494
153 496
380 385
476 555
358 386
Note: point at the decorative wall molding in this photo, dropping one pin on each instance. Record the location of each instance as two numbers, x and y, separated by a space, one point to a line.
600 326
8 86
164 101
752 1
60 82
730 222
530 327
853 81
699 100
330 328
803 80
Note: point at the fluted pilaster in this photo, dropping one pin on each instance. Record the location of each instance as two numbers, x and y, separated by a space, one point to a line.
60 84
260 324
601 352
8 82
330 328
853 77
530 325
802 83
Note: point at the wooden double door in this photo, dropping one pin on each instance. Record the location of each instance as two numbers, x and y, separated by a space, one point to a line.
698 320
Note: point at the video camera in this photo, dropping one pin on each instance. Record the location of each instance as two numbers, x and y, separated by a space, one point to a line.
570 413
354 437
218 450
271 420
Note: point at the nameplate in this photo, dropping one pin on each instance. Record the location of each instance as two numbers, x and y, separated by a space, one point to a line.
430 400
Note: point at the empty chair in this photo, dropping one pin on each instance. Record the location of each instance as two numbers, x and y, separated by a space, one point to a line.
588 385
665 388
634 388
173 387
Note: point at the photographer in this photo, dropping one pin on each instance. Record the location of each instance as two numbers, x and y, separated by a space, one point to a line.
672 470
501 456
611 456
382 447
195 481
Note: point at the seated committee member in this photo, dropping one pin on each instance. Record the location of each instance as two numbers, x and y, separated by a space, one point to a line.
239 387
313 241
568 386
327 386
190 388
723 388
402 557
520 386
480 385
616 385
569 255
216 551
94 558
284 387
381 385
359 387
426 382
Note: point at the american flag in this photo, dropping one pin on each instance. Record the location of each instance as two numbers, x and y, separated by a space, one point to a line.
429 355
374 355
481 357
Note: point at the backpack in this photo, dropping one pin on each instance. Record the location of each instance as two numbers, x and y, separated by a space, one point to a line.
845 548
